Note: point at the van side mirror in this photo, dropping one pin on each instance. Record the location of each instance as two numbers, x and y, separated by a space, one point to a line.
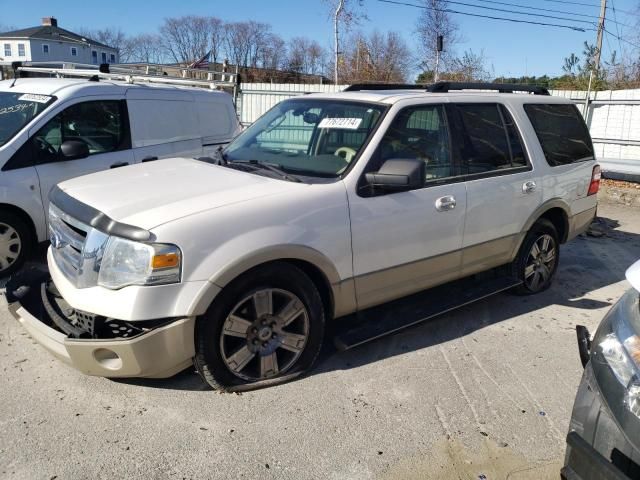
398 175
74 150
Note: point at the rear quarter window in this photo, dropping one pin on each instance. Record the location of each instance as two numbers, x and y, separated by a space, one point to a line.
562 132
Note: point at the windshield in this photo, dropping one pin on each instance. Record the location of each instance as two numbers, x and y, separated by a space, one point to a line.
18 109
309 137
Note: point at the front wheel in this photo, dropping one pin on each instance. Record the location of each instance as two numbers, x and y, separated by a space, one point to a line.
15 242
537 260
266 326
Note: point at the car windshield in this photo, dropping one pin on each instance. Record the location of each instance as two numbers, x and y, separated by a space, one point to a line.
309 137
18 109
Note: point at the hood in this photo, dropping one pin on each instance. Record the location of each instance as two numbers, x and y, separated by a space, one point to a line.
149 194
633 275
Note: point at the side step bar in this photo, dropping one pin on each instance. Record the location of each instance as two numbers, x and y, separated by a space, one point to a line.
392 317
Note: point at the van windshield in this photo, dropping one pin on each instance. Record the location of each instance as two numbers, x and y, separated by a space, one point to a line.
313 137
18 109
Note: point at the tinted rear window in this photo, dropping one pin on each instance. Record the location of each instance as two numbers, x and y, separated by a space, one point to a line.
563 135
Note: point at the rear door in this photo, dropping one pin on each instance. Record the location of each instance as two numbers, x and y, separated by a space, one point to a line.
503 189
404 242
101 124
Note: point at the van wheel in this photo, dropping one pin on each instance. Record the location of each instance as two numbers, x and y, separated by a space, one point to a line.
15 242
265 327
537 260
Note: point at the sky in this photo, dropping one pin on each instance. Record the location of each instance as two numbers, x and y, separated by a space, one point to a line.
511 49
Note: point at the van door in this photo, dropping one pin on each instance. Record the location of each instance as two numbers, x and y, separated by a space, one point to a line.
405 242
101 124
164 124
503 189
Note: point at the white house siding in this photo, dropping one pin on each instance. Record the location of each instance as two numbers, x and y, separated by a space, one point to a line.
59 51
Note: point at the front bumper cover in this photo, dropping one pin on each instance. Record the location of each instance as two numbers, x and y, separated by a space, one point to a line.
157 353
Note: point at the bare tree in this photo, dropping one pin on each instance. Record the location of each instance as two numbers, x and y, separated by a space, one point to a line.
377 57
146 48
435 20
236 42
305 56
216 32
187 38
274 52
113 37
470 67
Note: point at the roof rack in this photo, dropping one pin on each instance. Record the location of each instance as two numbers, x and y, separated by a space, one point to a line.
189 76
357 87
443 87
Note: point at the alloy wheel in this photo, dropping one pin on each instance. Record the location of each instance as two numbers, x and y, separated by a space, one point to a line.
265 334
541 262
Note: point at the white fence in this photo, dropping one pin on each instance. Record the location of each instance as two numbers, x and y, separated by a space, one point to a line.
613 117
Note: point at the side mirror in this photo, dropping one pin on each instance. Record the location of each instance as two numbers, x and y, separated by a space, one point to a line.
74 150
398 175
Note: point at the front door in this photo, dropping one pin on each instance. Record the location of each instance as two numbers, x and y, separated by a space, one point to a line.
405 242
101 124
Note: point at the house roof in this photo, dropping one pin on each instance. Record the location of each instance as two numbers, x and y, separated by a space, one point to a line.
53 33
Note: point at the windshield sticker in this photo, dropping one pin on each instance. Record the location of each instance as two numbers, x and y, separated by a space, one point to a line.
345 123
31 97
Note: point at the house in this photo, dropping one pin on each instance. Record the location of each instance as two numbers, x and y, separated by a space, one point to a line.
50 43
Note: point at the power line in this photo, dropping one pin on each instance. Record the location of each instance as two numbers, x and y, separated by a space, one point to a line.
519 13
617 28
573 3
505 19
585 15
634 45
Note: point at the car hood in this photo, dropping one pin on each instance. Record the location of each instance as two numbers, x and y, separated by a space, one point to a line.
150 194
633 275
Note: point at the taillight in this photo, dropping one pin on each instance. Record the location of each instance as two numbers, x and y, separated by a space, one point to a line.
594 186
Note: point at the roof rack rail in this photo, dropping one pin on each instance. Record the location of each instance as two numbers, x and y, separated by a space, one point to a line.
358 87
443 87
189 76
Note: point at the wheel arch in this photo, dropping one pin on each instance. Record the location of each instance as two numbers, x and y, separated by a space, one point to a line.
557 212
338 295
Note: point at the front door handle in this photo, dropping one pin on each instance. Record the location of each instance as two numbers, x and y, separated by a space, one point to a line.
446 203
118 165
529 187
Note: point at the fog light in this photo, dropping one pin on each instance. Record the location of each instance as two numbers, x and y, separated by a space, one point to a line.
107 359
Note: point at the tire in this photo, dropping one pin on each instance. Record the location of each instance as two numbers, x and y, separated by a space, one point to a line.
537 272
246 341
15 242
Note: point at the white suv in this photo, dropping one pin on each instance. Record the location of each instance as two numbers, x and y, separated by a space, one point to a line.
328 205
55 129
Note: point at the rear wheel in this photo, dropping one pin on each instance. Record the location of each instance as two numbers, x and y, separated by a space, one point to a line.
265 327
15 242
537 259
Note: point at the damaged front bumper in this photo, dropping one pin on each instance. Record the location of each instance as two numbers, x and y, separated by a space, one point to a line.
97 346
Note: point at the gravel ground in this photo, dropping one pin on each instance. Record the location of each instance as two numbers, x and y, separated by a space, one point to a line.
486 390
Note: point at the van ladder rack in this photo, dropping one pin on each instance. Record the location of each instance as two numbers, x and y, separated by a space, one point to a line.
110 72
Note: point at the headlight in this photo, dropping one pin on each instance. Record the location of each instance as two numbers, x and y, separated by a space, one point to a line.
132 263
618 346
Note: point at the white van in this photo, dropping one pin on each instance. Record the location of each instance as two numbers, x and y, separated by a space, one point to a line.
54 129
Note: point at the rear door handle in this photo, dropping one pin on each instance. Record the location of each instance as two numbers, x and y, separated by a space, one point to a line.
446 203
529 187
118 165
149 159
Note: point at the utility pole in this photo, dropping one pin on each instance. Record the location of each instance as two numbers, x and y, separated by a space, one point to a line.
603 13
439 48
336 21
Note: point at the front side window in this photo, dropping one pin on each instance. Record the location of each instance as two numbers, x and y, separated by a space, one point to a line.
7 49
74 52
100 124
419 133
487 138
21 52
562 133
309 137
19 109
